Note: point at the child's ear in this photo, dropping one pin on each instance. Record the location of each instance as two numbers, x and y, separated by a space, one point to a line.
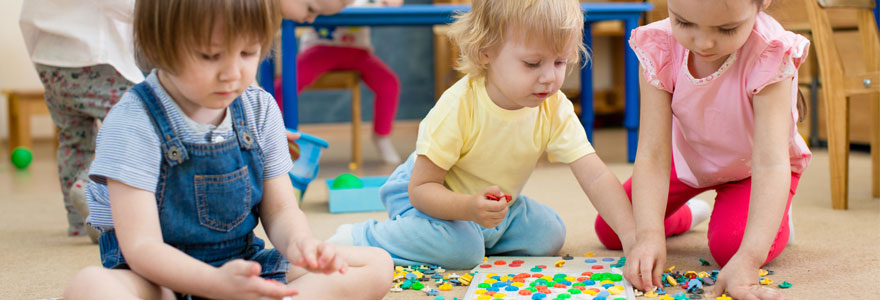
484 56
766 5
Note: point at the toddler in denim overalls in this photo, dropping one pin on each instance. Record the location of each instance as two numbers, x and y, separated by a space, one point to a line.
192 159
208 196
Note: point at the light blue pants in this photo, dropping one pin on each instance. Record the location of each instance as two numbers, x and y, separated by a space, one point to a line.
412 237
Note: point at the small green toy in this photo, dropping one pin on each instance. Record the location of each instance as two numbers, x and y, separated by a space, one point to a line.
705 262
347 181
784 285
21 158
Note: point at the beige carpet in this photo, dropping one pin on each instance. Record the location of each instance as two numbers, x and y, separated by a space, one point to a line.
835 254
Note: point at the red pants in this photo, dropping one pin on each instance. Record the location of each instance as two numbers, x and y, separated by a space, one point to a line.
317 60
726 225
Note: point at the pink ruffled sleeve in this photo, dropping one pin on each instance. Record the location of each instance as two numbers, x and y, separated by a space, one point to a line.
779 60
652 44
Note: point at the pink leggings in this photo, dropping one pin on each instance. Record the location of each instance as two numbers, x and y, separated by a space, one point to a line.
317 60
726 225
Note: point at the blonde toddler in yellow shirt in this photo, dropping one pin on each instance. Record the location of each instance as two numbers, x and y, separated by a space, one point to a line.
484 138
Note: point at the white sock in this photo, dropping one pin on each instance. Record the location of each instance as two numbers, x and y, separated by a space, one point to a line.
342 236
700 211
386 149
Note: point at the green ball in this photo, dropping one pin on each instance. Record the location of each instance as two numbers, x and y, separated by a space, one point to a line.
21 157
347 181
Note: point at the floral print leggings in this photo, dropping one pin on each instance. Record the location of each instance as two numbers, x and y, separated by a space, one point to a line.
78 98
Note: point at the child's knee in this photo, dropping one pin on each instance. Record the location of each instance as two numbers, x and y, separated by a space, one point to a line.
606 235
548 243
382 268
462 249
723 248
451 244
464 258
81 284
381 260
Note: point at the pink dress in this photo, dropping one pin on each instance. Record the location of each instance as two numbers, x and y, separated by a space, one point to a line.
713 119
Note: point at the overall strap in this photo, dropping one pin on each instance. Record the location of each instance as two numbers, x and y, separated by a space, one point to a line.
239 124
173 151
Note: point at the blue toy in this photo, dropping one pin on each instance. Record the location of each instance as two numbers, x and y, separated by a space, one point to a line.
694 284
305 167
345 199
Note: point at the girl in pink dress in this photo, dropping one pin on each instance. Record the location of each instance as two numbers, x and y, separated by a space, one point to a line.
719 106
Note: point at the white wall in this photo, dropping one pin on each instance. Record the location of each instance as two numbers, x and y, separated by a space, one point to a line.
16 70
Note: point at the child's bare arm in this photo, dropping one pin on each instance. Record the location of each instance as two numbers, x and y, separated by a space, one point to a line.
289 231
771 181
771 168
428 194
653 160
650 186
136 221
607 195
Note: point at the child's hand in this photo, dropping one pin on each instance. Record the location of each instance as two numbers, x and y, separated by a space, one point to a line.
740 278
292 136
292 146
242 281
487 212
645 263
317 256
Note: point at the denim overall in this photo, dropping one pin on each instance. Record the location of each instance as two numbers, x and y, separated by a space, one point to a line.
208 196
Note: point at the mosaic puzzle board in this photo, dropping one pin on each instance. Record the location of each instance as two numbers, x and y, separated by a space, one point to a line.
578 278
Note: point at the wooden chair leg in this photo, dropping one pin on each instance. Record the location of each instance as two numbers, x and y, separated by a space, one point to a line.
875 147
837 110
871 46
356 156
836 102
19 123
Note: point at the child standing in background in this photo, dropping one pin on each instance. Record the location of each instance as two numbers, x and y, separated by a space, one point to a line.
333 48
484 138
85 59
719 110
192 159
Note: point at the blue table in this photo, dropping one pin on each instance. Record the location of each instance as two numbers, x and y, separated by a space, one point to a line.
427 15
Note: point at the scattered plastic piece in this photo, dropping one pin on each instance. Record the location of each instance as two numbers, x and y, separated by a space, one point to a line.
705 262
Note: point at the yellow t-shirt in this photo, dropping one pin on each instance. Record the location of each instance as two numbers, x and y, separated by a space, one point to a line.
481 144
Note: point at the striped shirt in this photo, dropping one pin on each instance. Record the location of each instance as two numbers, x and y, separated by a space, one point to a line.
129 150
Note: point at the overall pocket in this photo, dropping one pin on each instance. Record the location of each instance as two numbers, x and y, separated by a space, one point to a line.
224 201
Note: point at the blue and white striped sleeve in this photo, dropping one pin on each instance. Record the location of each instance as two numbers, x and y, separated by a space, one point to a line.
127 148
273 139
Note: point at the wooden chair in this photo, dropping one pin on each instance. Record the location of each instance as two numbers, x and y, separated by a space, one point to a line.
348 80
23 104
838 85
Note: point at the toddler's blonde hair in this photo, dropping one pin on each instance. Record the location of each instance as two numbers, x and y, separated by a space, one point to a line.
557 23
